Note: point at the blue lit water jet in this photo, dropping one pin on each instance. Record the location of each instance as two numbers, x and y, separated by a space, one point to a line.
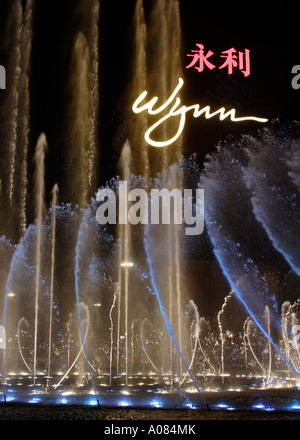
223 181
274 193
148 246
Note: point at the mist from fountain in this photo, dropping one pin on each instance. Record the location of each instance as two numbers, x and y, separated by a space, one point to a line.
139 82
165 59
83 107
80 120
24 111
17 114
274 193
13 102
225 177
290 320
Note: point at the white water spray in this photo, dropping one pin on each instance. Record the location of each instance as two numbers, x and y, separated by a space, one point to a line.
124 234
116 293
53 230
227 298
39 186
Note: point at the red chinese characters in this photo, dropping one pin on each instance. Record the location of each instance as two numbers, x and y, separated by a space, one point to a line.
200 58
232 60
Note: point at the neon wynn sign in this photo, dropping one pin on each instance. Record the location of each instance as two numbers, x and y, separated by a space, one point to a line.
181 111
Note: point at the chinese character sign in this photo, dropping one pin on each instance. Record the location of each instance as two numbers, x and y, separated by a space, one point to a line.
232 60
201 59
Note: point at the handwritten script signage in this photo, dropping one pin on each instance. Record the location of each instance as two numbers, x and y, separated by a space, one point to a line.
177 111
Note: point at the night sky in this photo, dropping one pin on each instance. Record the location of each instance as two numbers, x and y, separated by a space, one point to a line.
270 34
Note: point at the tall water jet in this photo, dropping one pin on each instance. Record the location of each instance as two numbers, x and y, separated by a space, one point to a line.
54 202
116 293
174 63
221 332
164 57
268 326
80 120
133 159
157 66
79 304
93 38
24 112
83 92
166 67
17 109
174 266
14 30
125 252
39 190
138 126
245 342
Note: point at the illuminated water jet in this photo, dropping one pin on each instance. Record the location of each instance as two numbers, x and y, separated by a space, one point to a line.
53 231
40 151
83 106
124 264
221 331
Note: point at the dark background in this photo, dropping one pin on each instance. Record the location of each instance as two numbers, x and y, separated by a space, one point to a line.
271 34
